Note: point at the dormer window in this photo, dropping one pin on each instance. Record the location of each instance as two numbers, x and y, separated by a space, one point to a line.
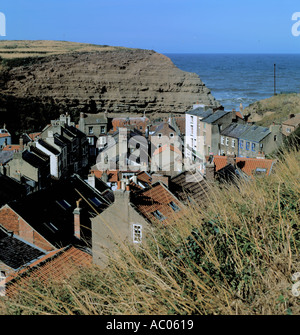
174 206
158 215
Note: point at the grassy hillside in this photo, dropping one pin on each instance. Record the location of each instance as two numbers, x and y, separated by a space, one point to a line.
274 109
42 48
235 257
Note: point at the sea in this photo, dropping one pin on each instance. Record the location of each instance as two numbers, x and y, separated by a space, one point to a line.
243 78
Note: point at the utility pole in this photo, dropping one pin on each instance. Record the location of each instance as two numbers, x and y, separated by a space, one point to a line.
274 79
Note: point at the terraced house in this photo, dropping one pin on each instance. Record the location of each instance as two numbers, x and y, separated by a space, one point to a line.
259 139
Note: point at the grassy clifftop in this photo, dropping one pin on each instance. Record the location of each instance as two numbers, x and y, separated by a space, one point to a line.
274 109
42 48
236 256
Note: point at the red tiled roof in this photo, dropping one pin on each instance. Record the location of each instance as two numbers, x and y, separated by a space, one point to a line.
112 175
144 177
11 147
247 165
56 266
4 135
34 135
220 162
158 198
238 114
165 147
133 121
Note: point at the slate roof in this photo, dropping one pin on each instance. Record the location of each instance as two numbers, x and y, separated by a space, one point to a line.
34 159
95 119
49 147
255 133
15 252
50 211
200 112
74 131
235 130
164 128
190 186
55 266
6 156
215 116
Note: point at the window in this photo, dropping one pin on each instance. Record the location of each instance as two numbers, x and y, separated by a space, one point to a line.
102 129
204 125
288 130
233 143
222 139
227 141
51 227
64 204
192 119
253 147
241 144
95 201
158 215
174 206
260 171
159 135
275 137
172 135
91 131
137 233
247 145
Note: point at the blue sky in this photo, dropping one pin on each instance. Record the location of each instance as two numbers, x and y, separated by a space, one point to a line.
166 26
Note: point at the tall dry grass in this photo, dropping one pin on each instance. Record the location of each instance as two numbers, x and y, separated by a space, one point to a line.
234 257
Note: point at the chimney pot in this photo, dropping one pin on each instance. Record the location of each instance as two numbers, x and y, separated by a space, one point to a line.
76 213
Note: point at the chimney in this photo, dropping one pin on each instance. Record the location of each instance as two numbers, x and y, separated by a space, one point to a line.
21 142
261 155
231 159
210 171
76 213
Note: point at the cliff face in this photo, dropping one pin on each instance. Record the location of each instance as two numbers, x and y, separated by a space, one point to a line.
125 81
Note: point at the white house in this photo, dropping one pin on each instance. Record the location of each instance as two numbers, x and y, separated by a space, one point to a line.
55 157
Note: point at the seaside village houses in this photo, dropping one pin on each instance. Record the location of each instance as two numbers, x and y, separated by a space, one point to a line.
71 193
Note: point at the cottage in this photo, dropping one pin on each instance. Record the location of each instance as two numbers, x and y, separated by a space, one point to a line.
291 124
130 218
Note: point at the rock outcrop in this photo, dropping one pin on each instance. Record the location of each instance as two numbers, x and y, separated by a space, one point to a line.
127 80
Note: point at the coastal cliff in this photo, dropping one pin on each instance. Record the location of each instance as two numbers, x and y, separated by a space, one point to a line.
118 80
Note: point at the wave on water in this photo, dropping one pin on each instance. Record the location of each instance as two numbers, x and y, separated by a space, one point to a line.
235 79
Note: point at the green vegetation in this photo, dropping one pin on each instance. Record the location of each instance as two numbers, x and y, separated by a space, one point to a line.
236 256
274 109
